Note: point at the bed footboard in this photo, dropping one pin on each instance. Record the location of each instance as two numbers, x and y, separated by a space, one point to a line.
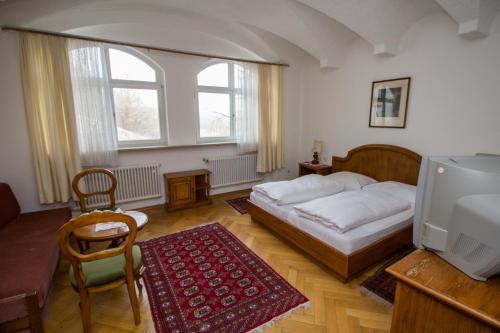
344 267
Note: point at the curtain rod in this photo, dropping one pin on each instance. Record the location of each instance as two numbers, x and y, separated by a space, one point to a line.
155 48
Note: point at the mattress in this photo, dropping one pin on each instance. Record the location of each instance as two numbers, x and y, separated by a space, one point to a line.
348 242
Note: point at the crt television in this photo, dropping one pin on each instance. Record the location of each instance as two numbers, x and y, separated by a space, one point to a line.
457 212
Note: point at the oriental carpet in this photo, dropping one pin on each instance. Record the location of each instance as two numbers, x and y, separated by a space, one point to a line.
381 286
205 279
239 204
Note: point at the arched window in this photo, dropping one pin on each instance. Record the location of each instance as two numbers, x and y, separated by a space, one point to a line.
216 102
137 86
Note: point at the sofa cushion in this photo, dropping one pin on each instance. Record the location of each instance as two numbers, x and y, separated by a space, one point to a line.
105 270
30 253
9 207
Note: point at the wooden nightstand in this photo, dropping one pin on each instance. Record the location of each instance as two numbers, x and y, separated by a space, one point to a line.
306 168
187 189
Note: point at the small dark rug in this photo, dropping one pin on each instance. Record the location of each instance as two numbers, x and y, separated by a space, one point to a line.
206 280
239 204
381 286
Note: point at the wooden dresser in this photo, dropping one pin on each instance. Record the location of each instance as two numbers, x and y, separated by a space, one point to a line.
187 189
433 296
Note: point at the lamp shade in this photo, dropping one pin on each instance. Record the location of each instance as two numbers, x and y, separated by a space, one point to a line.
317 146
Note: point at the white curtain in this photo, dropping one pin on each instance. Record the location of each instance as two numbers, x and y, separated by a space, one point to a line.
246 107
93 106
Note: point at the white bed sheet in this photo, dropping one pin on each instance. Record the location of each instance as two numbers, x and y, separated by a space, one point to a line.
346 243
357 238
269 206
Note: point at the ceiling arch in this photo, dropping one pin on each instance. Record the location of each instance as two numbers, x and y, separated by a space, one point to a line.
322 28
314 32
474 17
382 23
149 25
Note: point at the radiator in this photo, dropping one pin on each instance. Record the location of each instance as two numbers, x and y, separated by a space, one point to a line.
136 182
232 170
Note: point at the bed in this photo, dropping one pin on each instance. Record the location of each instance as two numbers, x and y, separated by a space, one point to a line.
367 245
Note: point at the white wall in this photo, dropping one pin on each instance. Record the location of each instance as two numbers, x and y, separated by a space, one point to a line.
16 167
180 76
454 103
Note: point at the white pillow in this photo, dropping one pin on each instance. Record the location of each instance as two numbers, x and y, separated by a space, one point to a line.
300 189
311 194
351 180
404 191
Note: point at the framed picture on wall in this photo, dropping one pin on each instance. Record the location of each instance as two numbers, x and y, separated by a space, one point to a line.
389 103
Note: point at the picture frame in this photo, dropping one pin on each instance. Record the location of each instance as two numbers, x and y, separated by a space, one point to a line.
389 103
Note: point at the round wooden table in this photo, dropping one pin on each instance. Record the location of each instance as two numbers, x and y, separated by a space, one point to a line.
92 233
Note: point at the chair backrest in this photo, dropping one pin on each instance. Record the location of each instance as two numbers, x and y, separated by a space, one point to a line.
83 195
95 217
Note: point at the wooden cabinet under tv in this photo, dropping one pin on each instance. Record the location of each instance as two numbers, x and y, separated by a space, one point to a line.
187 189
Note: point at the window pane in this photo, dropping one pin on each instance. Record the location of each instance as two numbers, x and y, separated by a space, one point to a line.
137 116
215 115
215 76
125 66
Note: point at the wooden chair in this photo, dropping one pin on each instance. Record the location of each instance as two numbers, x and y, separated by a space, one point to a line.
83 196
103 270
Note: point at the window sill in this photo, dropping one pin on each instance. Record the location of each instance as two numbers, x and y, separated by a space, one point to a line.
199 145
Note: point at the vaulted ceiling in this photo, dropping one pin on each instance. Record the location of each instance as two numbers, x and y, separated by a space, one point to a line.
322 28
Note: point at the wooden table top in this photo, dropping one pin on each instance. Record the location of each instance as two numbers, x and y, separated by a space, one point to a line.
434 276
186 173
89 233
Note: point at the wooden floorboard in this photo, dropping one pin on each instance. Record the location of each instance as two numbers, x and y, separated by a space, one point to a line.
335 307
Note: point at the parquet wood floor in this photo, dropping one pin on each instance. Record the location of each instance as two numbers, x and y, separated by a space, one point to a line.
334 307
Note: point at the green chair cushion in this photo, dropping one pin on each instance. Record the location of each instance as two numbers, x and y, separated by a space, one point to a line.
105 270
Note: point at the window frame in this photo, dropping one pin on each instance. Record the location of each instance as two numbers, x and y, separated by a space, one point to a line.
230 90
158 85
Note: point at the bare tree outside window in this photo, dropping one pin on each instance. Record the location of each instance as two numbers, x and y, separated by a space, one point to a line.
137 89
136 114
216 98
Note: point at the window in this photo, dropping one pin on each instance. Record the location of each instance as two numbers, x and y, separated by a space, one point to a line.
216 102
138 98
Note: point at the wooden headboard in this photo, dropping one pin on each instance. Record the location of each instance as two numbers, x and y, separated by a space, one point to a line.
382 162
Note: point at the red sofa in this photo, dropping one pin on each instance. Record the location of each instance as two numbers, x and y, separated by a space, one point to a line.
29 255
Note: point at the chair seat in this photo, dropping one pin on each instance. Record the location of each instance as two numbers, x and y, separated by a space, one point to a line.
113 209
106 270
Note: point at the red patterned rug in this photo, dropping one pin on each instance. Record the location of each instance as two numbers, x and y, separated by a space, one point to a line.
239 204
206 280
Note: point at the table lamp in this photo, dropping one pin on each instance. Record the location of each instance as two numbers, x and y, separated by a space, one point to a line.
317 145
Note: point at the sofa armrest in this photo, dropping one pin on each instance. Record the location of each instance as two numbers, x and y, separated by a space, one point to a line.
9 207
64 210
34 318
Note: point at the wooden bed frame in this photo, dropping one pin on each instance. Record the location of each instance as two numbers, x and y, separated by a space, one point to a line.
382 162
